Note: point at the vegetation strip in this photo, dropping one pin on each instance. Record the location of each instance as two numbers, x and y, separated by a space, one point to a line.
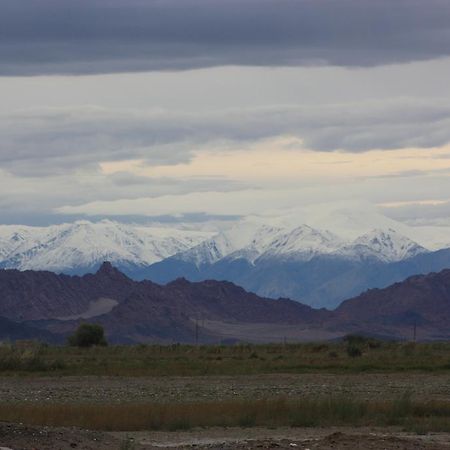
355 355
306 412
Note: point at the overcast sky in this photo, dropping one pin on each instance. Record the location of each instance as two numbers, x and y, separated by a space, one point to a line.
198 109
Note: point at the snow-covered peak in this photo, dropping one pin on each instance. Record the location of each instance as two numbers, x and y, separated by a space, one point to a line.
304 242
384 245
251 241
247 239
85 244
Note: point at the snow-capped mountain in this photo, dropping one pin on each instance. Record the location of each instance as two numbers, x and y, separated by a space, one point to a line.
83 245
319 259
383 245
251 242
312 265
303 243
247 240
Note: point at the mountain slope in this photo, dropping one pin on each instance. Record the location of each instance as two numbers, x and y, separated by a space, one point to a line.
311 265
35 295
273 258
421 301
141 311
383 245
12 331
214 311
83 245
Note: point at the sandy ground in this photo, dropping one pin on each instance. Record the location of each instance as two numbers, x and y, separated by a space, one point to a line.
171 389
19 437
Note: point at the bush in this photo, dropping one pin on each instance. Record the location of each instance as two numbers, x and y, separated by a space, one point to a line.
353 351
88 335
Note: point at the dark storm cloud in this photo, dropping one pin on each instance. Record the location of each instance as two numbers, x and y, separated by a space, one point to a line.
93 36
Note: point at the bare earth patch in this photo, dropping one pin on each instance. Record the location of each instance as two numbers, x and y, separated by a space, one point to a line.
96 308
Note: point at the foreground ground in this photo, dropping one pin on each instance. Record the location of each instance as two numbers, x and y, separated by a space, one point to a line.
324 396
20 437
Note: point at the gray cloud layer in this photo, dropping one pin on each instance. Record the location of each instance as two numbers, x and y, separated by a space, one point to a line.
51 141
104 36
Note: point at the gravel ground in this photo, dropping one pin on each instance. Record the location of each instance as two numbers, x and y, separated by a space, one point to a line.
19 437
170 389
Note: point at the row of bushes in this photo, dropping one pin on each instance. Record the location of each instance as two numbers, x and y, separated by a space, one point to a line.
29 355
27 360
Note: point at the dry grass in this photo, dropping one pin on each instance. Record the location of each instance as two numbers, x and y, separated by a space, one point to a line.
184 360
307 412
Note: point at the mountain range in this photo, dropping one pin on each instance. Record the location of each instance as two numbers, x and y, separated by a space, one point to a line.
82 246
48 306
272 257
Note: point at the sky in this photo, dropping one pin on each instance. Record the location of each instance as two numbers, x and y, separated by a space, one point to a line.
200 110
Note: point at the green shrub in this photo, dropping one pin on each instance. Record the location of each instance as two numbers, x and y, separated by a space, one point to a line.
353 351
88 335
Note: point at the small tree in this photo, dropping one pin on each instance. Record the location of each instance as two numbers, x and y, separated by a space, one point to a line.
88 335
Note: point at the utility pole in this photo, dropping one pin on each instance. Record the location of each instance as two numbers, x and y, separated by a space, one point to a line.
415 331
196 332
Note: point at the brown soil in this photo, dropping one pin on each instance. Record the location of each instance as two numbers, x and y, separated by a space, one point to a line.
19 437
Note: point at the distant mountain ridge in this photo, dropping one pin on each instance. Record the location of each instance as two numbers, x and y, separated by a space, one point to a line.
82 246
421 301
273 258
211 311
141 311
308 265
302 243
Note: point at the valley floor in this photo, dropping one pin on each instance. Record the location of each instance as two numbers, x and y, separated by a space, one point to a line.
360 394
36 397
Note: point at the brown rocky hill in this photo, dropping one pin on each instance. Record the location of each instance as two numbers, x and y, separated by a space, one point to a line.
142 311
34 295
214 311
421 302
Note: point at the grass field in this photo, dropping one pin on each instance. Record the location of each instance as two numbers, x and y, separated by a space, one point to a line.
183 360
357 383
307 412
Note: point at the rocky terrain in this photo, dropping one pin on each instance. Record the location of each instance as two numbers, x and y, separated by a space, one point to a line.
421 301
144 311
173 389
215 311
